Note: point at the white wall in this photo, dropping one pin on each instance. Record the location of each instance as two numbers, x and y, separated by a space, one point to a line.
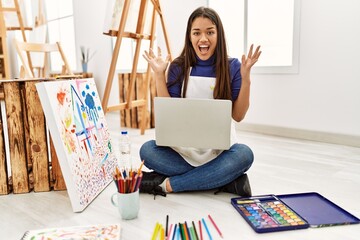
324 96
176 14
89 17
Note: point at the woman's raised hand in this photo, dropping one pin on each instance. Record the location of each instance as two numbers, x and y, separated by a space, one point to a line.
249 61
157 63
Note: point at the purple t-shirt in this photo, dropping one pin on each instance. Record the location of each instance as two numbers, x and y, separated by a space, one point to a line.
205 69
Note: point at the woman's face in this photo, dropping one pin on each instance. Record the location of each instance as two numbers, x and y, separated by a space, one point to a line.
203 37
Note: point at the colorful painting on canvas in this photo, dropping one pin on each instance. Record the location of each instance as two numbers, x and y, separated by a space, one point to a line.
82 140
105 231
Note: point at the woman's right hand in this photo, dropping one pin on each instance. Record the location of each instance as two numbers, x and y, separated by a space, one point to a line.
157 63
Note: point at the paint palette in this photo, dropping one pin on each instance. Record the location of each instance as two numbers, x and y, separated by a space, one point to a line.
270 213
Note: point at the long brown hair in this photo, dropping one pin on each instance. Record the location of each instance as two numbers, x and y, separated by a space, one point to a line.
188 59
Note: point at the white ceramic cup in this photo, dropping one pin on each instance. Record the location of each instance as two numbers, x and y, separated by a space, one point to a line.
128 204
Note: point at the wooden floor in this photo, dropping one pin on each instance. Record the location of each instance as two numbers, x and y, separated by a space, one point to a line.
281 166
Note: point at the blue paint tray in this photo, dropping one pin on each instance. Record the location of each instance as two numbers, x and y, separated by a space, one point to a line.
317 210
270 213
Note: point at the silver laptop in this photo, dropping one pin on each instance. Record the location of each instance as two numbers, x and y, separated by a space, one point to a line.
198 123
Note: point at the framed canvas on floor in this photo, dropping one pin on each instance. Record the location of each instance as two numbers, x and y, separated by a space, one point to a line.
81 138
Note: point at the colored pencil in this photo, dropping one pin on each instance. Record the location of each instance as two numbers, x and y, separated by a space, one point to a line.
216 227
116 184
200 230
125 186
196 234
156 230
206 228
174 233
186 230
178 234
138 181
133 183
133 175
182 233
193 236
127 181
141 165
166 226
162 233
190 236
122 188
169 233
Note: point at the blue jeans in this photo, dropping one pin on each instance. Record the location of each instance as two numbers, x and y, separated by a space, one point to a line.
226 167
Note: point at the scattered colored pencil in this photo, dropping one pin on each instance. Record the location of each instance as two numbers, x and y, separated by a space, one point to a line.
183 231
167 225
182 234
162 232
178 234
206 228
192 233
186 230
216 227
169 233
175 232
196 234
156 230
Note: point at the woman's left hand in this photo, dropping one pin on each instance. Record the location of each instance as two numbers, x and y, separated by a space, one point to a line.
249 61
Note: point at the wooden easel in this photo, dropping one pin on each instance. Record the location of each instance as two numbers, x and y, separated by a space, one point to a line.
40 19
39 28
4 57
138 36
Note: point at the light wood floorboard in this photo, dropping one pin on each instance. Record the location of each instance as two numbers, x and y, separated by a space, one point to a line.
282 166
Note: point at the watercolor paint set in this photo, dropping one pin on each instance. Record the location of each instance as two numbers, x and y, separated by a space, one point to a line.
270 213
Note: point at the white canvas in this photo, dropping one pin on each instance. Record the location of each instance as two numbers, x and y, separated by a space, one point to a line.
81 138
114 13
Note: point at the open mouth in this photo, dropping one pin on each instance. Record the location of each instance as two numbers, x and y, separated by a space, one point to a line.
204 48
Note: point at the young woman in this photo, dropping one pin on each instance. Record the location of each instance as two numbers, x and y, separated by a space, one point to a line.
203 70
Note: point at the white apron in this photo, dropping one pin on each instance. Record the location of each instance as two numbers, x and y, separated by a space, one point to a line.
202 87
